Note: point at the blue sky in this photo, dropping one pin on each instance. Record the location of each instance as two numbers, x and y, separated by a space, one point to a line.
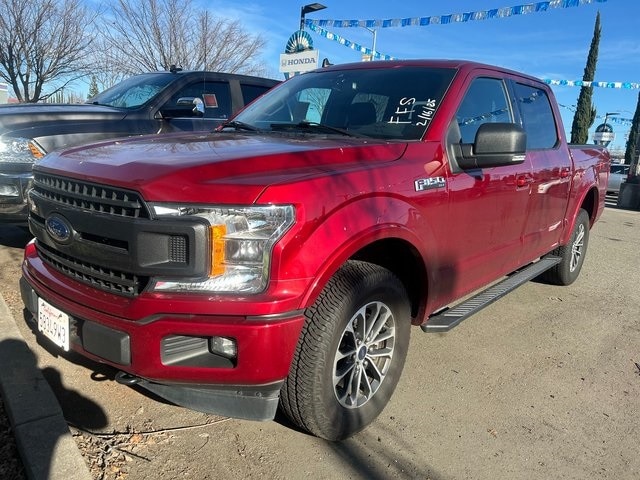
550 45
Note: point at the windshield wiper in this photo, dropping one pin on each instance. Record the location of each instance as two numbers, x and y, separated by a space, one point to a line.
239 126
306 125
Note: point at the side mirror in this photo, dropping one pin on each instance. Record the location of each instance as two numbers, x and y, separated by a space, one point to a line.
184 101
495 145
196 102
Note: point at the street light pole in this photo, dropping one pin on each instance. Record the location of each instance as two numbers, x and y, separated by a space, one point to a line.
375 34
609 114
311 7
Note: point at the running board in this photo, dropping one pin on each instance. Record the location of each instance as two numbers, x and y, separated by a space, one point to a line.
445 320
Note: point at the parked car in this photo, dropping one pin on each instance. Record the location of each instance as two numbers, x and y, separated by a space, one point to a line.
283 259
617 175
155 102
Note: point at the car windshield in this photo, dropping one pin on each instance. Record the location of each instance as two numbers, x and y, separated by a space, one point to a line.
134 91
620 169
383 103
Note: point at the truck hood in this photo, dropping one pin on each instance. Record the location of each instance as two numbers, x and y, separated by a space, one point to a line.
28 115
216 167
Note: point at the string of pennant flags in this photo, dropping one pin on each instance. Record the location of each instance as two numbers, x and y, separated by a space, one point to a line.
585 83
553 82
502 12
618 120
348 43
318 27
610 119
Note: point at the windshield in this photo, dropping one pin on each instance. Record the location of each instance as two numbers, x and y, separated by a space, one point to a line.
385 103
134 91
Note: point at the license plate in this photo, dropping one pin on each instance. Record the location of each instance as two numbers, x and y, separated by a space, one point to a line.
53 324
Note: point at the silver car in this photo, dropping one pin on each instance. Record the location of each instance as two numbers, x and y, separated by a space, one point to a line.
617 175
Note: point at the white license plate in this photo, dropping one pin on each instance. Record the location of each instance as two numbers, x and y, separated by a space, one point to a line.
53 324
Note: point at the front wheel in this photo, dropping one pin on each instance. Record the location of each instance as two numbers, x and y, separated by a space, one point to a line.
350 353
566 272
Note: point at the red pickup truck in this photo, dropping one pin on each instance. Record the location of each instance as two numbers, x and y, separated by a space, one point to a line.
281 260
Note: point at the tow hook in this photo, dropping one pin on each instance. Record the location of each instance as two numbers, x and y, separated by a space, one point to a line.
125 378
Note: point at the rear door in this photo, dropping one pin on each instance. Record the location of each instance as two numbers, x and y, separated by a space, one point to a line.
550 179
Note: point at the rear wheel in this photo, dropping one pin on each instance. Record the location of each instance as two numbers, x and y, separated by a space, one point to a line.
572 254
350 353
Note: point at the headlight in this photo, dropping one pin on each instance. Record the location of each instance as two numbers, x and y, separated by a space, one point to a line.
19 150
241 240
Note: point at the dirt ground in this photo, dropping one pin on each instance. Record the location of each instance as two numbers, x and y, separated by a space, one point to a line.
542 384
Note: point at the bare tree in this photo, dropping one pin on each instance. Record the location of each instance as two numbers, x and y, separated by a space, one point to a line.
147 35
107 64
43 42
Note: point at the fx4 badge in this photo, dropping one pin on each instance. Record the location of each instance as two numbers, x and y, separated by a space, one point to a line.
428 183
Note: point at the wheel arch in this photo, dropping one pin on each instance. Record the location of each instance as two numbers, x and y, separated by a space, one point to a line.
590 204
397 255
405 262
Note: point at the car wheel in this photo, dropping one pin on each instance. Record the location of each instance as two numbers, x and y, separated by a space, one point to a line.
350 353
566 272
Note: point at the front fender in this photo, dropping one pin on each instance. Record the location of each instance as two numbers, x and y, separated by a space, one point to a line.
321 245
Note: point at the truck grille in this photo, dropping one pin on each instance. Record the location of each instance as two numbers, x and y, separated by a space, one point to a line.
103 278
90 196
115 245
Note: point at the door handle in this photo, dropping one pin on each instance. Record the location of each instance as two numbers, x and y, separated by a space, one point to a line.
524 180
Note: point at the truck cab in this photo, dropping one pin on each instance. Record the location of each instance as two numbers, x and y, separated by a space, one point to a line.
150 103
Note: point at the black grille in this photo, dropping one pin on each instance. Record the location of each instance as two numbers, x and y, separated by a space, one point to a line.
90 196
178 245
103 278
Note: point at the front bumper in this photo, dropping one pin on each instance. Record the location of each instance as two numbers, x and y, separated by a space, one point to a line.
13 197
167 353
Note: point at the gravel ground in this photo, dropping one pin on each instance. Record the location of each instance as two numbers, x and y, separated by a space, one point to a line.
10 463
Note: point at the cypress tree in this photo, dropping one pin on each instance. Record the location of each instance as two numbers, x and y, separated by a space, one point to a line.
93 87
633 143
585 111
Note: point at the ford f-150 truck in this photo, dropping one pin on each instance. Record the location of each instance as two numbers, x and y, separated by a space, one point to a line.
281 260
157 102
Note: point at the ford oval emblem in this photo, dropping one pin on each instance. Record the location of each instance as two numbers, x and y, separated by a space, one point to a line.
58 228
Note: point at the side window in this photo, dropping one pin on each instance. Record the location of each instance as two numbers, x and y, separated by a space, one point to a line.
251 92
485 102
215 95
537 117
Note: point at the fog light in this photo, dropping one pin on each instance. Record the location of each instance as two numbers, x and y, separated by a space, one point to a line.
9 191
223 346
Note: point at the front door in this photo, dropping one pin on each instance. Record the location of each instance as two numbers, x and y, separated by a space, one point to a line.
487 206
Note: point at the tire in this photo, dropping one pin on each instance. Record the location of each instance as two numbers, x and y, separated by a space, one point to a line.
318 395
567 271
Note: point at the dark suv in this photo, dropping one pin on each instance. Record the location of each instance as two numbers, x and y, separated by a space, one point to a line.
156 102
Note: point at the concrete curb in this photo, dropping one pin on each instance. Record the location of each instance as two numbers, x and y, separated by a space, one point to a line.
45 444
